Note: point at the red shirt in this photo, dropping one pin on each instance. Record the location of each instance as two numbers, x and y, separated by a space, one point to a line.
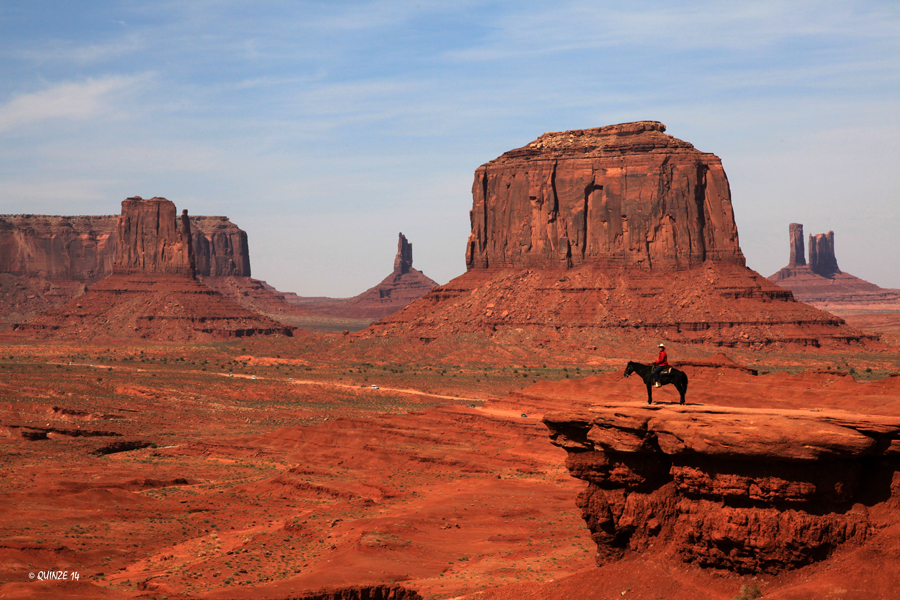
663 359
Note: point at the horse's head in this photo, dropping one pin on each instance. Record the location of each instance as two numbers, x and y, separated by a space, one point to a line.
629 369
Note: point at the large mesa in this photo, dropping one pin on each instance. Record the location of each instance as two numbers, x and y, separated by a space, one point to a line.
621 195
620 229
153 292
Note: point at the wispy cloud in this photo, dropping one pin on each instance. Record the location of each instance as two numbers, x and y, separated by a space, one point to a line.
86 53
74 101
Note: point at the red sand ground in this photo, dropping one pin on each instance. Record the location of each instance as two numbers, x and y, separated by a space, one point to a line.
266 487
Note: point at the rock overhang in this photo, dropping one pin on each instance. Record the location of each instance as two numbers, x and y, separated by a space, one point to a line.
742 489
781 435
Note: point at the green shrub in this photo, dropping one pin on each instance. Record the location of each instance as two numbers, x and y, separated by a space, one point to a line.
749 592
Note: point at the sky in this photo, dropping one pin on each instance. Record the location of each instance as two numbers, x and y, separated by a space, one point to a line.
325 128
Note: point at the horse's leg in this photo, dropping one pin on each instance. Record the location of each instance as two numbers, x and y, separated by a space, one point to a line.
649 393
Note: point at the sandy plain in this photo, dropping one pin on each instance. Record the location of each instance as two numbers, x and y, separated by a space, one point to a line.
271 468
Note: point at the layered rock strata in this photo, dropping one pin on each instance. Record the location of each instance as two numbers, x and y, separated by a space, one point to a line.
151 240
583 235
153 292
748 490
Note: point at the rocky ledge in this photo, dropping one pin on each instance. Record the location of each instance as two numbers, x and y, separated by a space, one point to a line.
748 490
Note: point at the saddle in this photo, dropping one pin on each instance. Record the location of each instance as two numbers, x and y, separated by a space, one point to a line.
666 371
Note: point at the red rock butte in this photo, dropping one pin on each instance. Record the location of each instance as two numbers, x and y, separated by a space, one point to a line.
612 230
622 195
153 292
822 283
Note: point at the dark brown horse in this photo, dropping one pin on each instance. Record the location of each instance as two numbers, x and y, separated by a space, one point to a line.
670 375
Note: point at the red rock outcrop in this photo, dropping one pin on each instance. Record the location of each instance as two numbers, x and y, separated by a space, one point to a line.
46 261
402 287
152 241
798 257
822 284
623 195
748 490
82 248
56 248
584 235
821 254
153 292
220 247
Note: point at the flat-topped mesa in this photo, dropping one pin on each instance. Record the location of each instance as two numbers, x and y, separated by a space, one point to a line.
821 254
403 260
152 241
83 248
622 195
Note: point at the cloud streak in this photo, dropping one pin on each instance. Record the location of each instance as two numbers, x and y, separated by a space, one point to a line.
69 101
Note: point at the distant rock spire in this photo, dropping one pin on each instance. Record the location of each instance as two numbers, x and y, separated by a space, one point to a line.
403 260
798 256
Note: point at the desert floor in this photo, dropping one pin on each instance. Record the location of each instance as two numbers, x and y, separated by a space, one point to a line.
260 469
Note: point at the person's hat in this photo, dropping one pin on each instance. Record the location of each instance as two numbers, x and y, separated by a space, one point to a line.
662 345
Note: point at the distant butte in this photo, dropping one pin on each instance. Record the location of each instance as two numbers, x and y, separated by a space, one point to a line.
153 292
581 237
46 260
822 284
404 285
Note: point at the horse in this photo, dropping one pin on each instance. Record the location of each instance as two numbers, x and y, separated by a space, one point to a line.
670 375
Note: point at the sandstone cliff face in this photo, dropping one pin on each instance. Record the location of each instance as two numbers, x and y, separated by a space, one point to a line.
403 260
623 195
82 248
220 247
749 490
54 247
798 257
821 254
151 240
614 231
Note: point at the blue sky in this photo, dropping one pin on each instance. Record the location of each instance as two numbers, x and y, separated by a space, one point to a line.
325 128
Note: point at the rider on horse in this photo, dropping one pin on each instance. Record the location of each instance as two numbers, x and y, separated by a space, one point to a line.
659 364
